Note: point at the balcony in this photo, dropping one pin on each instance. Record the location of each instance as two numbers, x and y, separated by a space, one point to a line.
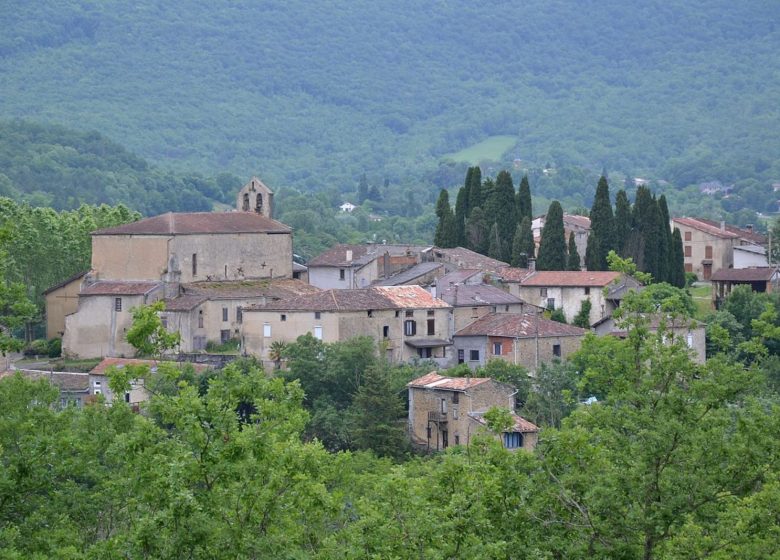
438 417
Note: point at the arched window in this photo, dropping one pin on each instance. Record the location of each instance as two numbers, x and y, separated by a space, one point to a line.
245 206
259 204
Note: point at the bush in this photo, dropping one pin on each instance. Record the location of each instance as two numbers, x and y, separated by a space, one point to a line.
38 347
230 346
690 278
558 315
55 348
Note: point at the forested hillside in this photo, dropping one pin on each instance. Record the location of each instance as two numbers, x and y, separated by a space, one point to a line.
314 94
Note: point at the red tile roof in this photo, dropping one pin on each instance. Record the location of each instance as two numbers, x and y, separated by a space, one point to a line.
570 278
708 227
748 235
119 288
755 274
198 223
471 295
518 325
521 424
514 274
466 258
435 381
375 297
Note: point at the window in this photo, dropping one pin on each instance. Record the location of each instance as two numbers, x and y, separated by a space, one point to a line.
239 315
194 264
410 328
199 342
430 313
498 348
457 439
118 304
431 327
443 406
342 274
687 235
444 439
317 315
687 250
689 340
267 330
455 397
224 335
370 312
551 303
96 383
543 292
127 396
282 317
688 267
461 355
224 313
473 355
259 204
385 332
454 412
425 352
245 205
557 350
318 333
474 313
200 319
164 322
397 313
410 313
587 291
98 391
513 440
708 251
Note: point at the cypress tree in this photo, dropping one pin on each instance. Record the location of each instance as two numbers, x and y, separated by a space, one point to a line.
445 235
362 193
653 241
666 253
552 249
677 271
573 259
523 244
495 247
524 207
642 220
477 231
461 205
602 223
622 222
475 191
592 252
501 207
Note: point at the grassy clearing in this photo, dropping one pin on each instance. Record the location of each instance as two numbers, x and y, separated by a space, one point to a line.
491 148
702 297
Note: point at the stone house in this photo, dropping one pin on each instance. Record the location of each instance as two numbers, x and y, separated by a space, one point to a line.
760 279
708 246
472 301
359 266
62 300
406 321
525 339
446 411
461 258
421 274
572 223
690 331
568 289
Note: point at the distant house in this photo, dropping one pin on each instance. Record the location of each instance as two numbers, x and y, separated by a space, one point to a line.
421 274
567 290
472 301
690 331
358 266
572 223
407 321
462 258
760 279
708 246
525 339
446 411
347 207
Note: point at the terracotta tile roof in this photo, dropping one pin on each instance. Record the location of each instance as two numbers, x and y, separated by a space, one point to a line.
119 288
465 258
746 234
361 254
514 274
106 363
471 295
708 227
376 297
521 424
435 381
576 220
518 325
198 222
755 274
184 302
64 381
570 278
66 281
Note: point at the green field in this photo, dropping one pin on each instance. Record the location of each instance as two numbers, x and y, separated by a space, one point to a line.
491 149
702 297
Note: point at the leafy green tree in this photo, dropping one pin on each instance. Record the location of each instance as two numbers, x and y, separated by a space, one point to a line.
16 310
499 419
573 257
553 396
602 224
552 249
558 315
582 318
147 334
524 205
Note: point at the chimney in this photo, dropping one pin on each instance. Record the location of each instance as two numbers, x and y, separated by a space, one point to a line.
749 228
349 255
532 265
723 225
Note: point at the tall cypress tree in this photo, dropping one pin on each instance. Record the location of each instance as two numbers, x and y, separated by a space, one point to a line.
666 252
622 222
573 258
445 235
642 219
461 205
552 249
501 207
677 270
477 231
653 241
475 191
496 245
602 223
524 207
523 247
592 252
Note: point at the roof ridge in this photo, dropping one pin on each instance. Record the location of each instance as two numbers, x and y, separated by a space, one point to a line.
335 301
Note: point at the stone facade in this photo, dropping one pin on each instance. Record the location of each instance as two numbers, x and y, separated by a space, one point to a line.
61 301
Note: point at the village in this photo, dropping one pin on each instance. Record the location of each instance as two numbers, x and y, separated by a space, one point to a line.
230 277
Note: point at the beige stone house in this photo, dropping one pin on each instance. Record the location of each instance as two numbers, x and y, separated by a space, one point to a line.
708 246
62 300
525 339
359 266
567 290
406 321
572 223
472 301
446 411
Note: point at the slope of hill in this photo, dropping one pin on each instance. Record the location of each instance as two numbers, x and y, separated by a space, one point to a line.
311 94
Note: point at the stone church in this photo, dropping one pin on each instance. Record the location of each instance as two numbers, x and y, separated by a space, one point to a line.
206 266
